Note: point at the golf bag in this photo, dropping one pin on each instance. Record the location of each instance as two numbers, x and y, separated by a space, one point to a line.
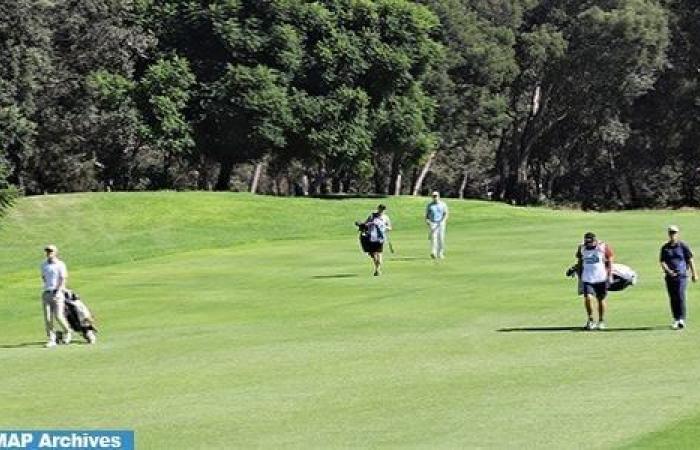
370 232
79 316
622 277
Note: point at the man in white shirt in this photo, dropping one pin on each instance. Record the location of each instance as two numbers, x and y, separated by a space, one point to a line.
594 263
436 214
54 274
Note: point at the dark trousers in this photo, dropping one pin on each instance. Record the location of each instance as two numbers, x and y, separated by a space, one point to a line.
676 294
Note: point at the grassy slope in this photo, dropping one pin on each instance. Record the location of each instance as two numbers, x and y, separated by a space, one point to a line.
231 320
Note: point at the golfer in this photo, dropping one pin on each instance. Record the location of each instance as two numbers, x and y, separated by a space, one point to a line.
436 214
54 275
594 262
675 259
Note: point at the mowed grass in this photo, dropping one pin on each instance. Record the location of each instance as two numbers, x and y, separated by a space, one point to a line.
233 321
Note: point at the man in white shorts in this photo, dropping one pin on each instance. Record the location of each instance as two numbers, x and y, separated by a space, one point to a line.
54 274
436 214
594 263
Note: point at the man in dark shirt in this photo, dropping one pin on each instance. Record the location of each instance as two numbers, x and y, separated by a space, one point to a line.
675 259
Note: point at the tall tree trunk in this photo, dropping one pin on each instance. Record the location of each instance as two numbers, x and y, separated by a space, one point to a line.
166 169
305 185
256 178
395 177
414 178
502 168
202 174
378 177
517 184
423 173
397 184
223 183
463 184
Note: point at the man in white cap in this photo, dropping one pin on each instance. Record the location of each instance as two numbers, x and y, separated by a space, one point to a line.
436 214
676 261
54 274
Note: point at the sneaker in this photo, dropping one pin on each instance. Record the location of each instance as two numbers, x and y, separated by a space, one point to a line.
67 337
675 325
90 337
590 325
376 273
681 324
50 344
602 325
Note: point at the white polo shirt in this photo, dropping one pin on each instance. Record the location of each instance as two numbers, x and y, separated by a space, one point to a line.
52 273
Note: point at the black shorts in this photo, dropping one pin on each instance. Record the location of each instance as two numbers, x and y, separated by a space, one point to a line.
375 247
600 290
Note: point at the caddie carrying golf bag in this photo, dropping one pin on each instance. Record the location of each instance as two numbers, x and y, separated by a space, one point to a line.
371 232
622 277
79 316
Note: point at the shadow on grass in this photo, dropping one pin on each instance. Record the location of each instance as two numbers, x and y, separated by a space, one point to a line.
403 258
23 344
335 275
576 329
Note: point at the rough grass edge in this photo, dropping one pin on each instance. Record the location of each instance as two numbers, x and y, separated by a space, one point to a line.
7 199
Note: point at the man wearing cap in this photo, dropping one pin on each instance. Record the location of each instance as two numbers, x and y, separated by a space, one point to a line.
594 263
54 275
374 232
436 214
675 259
381 209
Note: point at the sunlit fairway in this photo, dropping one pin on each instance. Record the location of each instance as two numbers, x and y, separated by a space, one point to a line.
233 321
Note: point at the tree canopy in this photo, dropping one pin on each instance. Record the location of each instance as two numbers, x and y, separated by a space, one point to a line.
594 103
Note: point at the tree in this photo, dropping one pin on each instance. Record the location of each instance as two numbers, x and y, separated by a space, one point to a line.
573 79
659 158
471 87
25 65
246 114
163 95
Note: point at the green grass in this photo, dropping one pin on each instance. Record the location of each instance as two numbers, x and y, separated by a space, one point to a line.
233 321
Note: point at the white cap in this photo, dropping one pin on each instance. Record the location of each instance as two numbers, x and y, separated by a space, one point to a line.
673 228
51 248
435 194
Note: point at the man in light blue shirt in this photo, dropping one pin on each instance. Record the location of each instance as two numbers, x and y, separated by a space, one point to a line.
436 214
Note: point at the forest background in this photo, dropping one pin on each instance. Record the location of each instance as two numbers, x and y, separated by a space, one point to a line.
587 103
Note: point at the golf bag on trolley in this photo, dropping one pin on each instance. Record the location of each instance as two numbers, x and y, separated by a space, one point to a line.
79 316
622 277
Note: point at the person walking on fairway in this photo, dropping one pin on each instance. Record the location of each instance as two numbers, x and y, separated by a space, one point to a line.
594 262
381 209
436 214
373 235
54 274
676 259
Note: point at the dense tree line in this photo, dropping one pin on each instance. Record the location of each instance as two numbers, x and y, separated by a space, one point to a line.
586 102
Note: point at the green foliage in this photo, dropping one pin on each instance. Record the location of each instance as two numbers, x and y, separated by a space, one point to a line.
522 98
164 91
